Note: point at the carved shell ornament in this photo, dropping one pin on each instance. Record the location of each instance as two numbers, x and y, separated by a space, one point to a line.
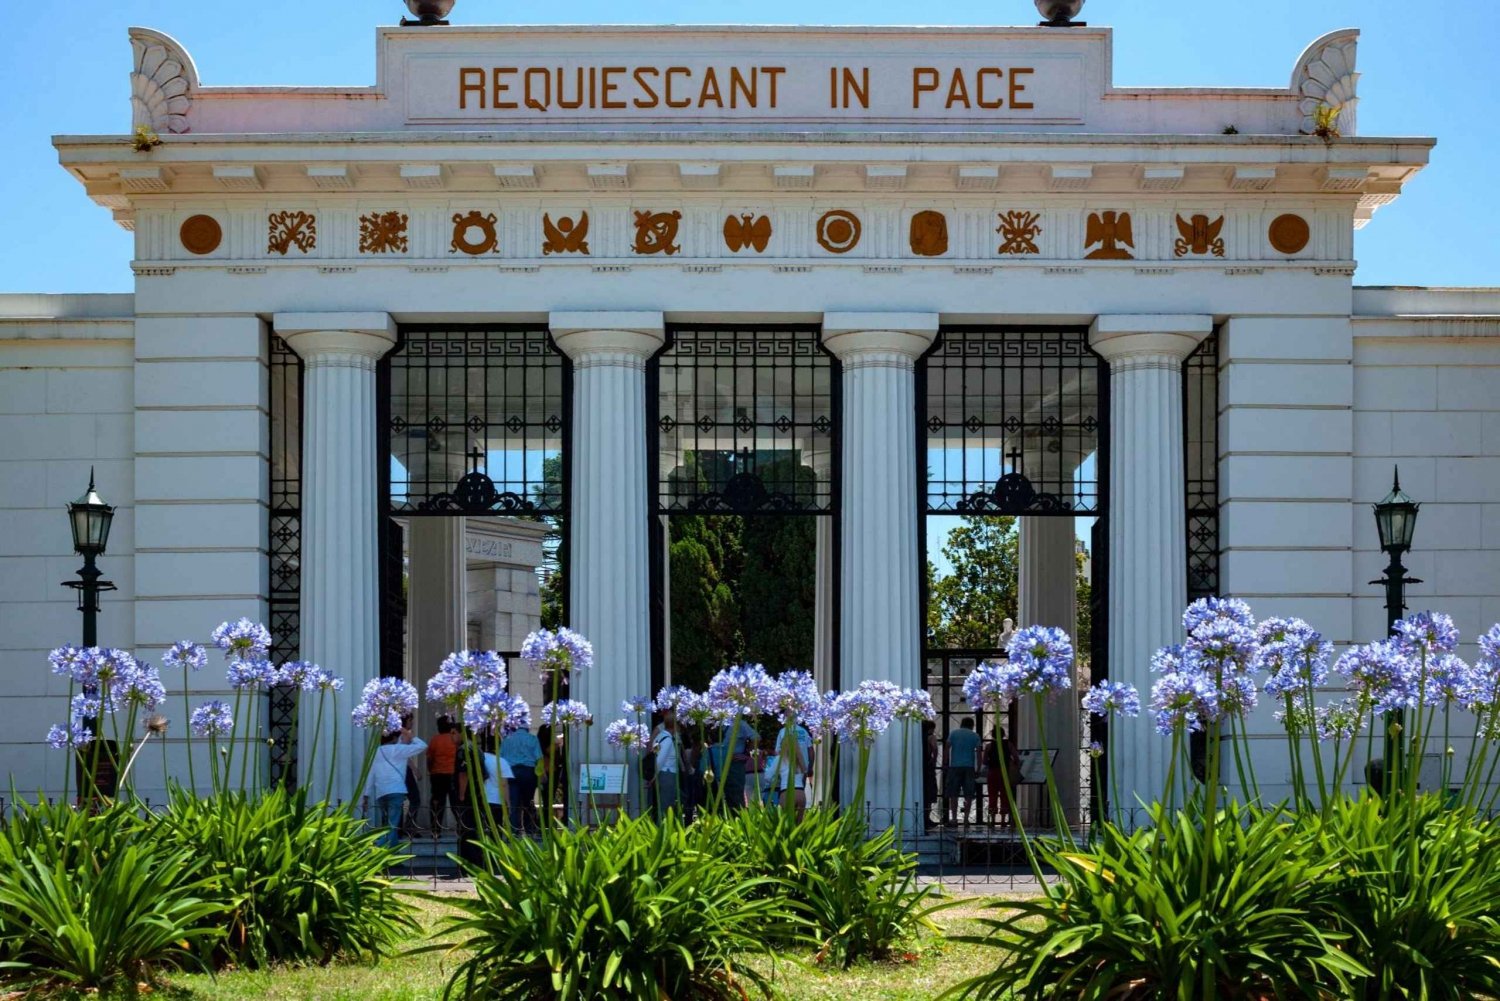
162 82
1325 75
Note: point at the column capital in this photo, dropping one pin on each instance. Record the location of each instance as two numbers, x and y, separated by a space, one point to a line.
608 337
879 340
1148 340
356 340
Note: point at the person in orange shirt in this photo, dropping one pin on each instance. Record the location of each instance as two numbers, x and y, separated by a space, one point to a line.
442 768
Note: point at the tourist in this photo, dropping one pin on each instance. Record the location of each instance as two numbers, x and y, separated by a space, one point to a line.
727 761
552 771
521 750
963 758
388 779
667 764
442 773
466 818
497 773
690 779
1002 761
792 770
930 754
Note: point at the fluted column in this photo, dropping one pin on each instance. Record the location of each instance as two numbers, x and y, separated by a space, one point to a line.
609 575
881 624
824 604
1147 512
340 522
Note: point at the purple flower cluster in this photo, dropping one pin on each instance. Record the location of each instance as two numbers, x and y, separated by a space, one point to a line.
743 690
60 737
990 686
865 713
184 655
464 674
212 719
794 694
500 712
1293 654
1183 699
695 710
1383 677
566 713
1427 632
671 698
1042 659
914 705
384 703
253 674
625 734
563 650
140 686
1112 698
306 676
638 705
242 639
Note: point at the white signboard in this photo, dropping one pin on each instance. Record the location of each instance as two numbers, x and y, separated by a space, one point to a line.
601 780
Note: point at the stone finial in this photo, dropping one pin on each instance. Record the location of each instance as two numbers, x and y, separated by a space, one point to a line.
1059 13
162 82
1325 75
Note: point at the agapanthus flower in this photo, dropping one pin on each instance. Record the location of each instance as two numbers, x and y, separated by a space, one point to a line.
639 705
110 664
252 674
1339 720
503 713
60 737
1042 657
991 686
212 719
863 714
566 713
326 681
671 697
384 703
1384 677
1095 749
185 654
156 725
743 690
823 725
1183 699
1489 645
1484 674
914 705
1167 660
299 674
695 710
794 694
1236 695
1112 698
1293 654
563 650
242 639
464 673
141 686
89 705
73 662
1449 679
1220 646
1426 632
1206 610
627 735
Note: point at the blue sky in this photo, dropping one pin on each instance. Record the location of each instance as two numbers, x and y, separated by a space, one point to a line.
65 71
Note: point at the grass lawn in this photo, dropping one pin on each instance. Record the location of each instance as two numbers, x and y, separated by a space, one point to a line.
937 966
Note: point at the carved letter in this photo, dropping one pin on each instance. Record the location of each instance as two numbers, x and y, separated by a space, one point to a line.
958 90
979 97
739 85
563 102
710 89
501 88
532 101
772 72
1016 86
651 99
610 87
677 71
923 80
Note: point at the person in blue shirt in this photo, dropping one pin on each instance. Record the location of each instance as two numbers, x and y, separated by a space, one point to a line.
728 780
963 760
522 751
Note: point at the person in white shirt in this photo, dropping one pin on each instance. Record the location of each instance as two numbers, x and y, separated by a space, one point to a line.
388 779
667 764
497 773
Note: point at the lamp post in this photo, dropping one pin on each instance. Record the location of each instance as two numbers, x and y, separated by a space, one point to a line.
90 519
1396 520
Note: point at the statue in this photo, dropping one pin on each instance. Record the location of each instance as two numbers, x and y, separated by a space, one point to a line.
1007 630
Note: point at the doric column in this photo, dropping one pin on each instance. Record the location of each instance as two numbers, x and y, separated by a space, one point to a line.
824 604
609 574
881 624
340 521
1147 512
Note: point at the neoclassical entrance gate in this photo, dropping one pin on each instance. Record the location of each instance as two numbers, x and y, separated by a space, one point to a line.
1011 421
743 420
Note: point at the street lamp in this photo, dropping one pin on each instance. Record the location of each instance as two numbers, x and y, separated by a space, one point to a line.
1396 520
90 519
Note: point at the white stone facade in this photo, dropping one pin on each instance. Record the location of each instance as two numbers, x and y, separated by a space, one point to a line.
1323 387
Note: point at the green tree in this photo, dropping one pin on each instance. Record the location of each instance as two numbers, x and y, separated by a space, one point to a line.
972 602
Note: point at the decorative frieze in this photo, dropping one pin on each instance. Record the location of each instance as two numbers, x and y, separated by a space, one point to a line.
291 229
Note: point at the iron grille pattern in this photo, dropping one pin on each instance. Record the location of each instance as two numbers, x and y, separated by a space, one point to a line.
1200 428
747 420
1010 420
285 550
476 421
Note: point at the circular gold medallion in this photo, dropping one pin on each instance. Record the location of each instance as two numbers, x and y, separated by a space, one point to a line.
201 234
838 231
1289 233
